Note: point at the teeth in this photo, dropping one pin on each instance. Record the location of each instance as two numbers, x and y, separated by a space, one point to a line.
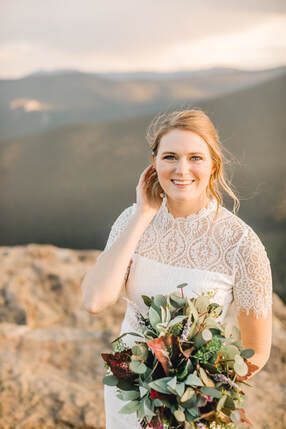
180 182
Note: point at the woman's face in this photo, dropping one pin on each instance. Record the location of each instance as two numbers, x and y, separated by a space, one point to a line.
183 155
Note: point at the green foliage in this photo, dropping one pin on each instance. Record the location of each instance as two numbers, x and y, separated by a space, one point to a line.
202 356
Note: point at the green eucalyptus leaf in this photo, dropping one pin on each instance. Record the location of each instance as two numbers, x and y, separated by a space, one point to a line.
240 366
235 333
168 314
221 402
182 285
202 303
110 380
128 395
163 314
143 390
193 380
192 413
184 370
141 410
235 416
179 415
215 309
177 300
172 384
205 379
140 351
154 317
180 388
199 341
214 393
247 353
229 351
211 323
137 367
192 329
160 301
160 385
129 408
147 300
148 407
192 309
206 334
162 328
157 402
125 384
177 319
229 403
189 392
149 335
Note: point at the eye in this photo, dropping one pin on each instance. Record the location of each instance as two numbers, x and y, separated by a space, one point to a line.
172 156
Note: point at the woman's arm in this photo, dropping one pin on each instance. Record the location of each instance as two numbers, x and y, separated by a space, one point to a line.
253 298
256 334
102 284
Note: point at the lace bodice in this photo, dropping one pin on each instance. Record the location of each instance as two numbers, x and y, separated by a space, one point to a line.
208 250
215 242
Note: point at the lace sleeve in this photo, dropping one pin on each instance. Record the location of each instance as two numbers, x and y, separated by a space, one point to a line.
253 277
118 226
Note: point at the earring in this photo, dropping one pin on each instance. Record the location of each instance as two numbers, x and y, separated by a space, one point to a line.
162 194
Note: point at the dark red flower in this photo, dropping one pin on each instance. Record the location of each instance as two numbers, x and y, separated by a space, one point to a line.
155 424
154 394
119 364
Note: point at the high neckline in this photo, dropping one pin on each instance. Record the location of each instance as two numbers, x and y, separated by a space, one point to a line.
204 211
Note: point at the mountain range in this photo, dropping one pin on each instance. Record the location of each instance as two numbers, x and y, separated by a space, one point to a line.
68 172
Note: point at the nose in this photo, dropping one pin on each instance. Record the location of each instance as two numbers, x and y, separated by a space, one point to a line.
182 166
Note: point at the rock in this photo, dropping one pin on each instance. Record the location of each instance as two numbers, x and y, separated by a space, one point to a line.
51 370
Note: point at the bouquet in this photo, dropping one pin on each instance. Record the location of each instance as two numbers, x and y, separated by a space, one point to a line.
187 368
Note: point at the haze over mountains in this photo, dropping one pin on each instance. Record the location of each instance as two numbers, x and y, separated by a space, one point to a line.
67 185
47 100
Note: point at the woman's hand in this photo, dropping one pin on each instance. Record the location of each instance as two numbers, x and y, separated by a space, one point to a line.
145 203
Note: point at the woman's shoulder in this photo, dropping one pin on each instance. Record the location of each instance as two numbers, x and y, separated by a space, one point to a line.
124 215
119 224
245 232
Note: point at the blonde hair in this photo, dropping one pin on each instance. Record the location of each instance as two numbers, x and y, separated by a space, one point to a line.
197 121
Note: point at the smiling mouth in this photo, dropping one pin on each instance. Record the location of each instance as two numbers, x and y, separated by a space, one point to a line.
182 184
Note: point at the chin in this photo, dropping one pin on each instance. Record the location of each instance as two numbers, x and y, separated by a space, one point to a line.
181 196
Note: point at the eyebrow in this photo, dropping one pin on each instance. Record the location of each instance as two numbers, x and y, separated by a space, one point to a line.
189 153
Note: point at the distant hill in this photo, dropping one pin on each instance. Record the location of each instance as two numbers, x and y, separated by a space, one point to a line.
68 185
47 100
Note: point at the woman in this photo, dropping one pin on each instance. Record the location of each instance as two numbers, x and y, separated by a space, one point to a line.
179 231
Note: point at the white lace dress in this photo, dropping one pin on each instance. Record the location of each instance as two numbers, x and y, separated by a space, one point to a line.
223 254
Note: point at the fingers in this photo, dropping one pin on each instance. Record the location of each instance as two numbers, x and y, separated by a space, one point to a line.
147 171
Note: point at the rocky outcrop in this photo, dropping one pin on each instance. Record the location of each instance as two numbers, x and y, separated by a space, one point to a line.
51 370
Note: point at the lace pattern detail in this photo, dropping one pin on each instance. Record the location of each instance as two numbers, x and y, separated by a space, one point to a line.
200 240
222 243
118 226
253 276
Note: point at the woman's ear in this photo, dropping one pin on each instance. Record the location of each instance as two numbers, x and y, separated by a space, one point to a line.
153 161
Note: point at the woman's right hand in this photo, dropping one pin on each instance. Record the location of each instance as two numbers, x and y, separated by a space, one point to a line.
145 203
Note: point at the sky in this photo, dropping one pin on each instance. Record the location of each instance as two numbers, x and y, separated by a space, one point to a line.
130 35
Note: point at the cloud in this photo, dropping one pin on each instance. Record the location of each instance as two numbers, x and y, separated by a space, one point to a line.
100 36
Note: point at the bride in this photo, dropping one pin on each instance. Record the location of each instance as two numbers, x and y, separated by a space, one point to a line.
179 231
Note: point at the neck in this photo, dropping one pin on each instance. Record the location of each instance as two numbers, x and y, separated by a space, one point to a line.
184 208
